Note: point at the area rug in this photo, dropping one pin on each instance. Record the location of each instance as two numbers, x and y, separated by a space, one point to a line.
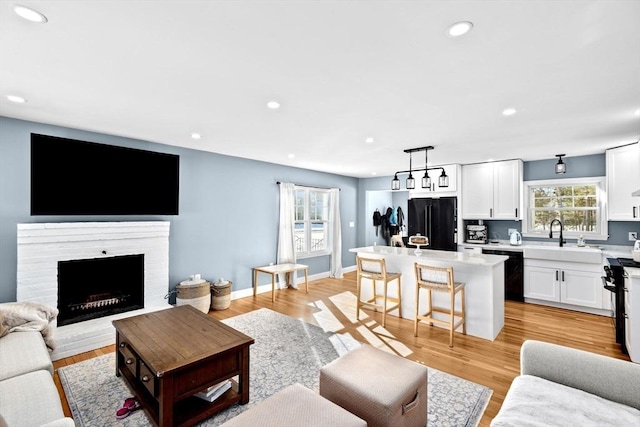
286 351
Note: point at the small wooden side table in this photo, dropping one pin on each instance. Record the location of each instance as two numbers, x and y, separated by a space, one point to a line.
276 269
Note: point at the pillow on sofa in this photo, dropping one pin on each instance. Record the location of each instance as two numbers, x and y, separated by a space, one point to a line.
4 330
534 401
29 316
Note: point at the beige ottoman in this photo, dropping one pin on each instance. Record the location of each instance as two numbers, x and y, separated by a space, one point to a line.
296 406
379 387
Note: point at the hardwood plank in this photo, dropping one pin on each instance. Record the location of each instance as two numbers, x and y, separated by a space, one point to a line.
330 303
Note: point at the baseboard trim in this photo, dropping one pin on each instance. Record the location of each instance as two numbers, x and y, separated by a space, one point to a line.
247 292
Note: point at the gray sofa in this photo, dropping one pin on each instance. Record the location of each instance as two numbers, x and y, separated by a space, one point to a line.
28 395
561 386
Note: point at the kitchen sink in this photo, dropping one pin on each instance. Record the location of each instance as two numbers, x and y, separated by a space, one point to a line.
591 255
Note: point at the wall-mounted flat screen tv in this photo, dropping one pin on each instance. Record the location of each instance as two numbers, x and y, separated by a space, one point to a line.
71 177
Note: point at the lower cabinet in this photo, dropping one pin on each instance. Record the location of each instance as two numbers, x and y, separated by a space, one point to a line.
563 282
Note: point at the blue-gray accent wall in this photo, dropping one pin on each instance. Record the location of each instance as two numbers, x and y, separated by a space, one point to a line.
228 206
228 217
577 167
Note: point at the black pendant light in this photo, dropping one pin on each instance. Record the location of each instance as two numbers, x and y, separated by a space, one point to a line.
426 179
443 180
561 167
411 183
395 183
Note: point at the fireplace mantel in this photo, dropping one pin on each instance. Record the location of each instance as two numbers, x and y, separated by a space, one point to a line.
42 245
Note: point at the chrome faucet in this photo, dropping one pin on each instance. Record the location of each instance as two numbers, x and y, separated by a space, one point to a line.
562 242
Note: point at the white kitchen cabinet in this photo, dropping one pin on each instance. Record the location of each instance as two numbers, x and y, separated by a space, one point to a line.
541 283
623 178
470 248
577 284
452 171
492 190
581 288
632 315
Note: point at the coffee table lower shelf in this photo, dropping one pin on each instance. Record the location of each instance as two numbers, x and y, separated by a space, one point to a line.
186 412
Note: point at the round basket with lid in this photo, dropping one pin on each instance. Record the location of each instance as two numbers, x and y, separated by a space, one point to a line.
221 294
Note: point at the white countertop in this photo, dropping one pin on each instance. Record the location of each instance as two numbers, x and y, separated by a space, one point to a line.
430 254
610 251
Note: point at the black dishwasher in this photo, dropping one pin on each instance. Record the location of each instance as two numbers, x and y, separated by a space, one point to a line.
513 274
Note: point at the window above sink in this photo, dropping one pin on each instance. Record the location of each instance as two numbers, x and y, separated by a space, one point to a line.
579 203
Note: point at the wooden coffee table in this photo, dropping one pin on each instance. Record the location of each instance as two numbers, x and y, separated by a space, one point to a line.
168 355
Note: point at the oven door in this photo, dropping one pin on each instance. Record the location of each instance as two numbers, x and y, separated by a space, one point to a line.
608 280
613 281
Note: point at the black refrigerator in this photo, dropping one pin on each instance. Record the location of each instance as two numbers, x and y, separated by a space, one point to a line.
435 218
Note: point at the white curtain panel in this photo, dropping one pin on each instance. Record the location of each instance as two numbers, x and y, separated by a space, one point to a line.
286 242
336 234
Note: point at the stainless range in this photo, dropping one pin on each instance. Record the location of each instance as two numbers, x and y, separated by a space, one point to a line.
614 281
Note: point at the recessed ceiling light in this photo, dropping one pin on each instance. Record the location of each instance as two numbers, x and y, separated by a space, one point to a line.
637 112
509 111
17 99
369 140
374 173
29 14
459 28
196 135
291 156
273 105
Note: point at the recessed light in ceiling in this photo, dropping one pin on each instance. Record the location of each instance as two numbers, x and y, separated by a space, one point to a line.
459 28
374 173
509 111
637 112
196 135
29 14
17 99
273 105
369 140
291 156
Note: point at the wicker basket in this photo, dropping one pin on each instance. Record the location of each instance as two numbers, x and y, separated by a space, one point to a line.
221 296
195 295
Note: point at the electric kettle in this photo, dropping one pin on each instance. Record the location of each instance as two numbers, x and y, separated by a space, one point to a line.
516 239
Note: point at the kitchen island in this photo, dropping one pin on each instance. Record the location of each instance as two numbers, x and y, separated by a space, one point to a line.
483 276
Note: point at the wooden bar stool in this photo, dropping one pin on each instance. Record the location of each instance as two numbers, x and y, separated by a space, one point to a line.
439 279
376 270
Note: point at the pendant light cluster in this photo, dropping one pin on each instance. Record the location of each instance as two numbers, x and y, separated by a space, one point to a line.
443 180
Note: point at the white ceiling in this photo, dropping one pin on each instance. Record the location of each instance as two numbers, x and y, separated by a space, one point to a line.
342 71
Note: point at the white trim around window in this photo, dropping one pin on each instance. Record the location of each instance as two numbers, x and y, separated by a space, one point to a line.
600 209
311 222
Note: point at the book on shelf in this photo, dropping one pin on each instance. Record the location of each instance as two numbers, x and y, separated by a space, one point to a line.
215 391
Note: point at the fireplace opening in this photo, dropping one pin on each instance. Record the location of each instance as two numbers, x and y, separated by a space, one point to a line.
98 287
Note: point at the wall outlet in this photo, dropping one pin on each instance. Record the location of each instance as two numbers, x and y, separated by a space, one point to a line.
511 231
633 236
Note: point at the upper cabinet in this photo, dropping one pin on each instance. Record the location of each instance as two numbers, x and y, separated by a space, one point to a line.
492 190
623 178
452 171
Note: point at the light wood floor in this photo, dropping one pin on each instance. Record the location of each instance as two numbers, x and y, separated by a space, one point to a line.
331 305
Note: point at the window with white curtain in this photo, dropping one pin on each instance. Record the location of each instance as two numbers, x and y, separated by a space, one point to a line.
578 203
311 224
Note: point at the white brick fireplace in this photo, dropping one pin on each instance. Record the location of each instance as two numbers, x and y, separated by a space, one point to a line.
42 246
